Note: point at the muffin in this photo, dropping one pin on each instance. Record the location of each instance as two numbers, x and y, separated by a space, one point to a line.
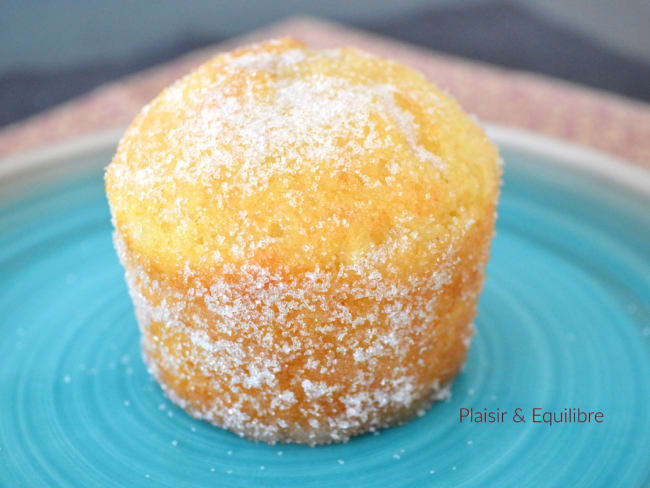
304 235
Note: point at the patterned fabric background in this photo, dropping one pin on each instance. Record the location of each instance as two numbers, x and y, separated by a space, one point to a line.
607 122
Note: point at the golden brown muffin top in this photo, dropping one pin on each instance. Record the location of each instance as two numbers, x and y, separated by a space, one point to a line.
284 157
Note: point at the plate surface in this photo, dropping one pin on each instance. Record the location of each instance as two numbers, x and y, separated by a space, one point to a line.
564 321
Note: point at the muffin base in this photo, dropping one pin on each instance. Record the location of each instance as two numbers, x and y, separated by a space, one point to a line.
294 433
216 354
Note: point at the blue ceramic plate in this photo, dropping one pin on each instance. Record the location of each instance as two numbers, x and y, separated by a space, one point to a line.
564 323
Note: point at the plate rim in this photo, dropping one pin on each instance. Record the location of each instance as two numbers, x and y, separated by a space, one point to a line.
48 157
557 152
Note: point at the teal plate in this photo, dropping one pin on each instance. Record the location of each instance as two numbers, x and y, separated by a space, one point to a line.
564 322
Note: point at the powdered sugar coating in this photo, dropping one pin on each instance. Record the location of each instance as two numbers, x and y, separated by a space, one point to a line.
303 249
321 139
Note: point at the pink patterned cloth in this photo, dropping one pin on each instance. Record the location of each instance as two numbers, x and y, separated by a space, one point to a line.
611 123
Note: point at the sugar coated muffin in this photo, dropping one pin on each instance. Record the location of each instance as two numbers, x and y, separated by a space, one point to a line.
304 235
